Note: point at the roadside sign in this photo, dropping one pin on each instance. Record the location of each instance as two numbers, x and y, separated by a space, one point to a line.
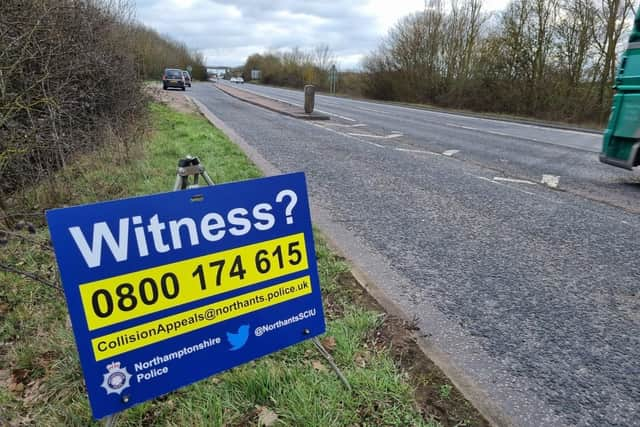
167 289
333 79
189 68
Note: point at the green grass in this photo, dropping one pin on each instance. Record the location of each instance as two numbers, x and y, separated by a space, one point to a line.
445 391
40 378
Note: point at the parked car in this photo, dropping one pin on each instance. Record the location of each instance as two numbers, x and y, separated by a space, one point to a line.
173 77
239 80
187 78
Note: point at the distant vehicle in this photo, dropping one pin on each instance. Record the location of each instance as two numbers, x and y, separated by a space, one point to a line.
236 80
173 77
187 78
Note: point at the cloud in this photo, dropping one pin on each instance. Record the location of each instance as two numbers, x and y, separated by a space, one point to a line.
226 31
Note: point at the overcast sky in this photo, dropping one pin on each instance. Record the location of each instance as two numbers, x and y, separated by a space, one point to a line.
226 32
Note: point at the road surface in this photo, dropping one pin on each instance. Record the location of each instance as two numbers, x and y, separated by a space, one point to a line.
532 292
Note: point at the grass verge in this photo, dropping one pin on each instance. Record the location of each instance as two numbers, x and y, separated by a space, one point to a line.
40 378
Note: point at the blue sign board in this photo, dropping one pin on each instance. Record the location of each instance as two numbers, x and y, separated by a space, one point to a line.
167 289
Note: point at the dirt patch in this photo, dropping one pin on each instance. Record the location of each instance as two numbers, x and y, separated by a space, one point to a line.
436 397
171 97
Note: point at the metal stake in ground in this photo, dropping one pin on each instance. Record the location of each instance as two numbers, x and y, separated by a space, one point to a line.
323 351
110 420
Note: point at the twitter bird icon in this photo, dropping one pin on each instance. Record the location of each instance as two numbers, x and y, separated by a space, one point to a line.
239 339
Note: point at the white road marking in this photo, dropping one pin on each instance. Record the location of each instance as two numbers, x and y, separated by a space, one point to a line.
359 125
504 185
349 119
492 132
455 125
372 110
508 135
368 135
514 188
450 153
344 134
409 150
515 181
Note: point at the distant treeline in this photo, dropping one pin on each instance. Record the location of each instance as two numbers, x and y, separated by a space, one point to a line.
154 53
549 59
71 74
293 68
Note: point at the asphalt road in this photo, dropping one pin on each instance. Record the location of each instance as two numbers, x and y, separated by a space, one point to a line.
532 293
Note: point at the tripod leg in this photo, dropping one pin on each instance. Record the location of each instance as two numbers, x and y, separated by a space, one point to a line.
180 183
206 177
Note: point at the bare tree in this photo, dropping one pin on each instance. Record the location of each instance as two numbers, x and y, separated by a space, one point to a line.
574 30
323 57
545 12
610 20
462 33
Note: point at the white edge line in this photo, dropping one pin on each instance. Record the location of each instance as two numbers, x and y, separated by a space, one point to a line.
516 181
366 135
409 150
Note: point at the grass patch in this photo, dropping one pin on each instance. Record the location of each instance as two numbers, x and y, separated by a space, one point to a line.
40 378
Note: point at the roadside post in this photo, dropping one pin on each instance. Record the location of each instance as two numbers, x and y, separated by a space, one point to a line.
333 78
166 289
309 98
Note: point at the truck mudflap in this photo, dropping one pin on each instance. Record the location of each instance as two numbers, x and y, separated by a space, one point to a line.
627 163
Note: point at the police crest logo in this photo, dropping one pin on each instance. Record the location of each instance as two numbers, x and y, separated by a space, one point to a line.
116 379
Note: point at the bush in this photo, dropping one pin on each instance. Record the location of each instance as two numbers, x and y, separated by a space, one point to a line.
71 79
67 76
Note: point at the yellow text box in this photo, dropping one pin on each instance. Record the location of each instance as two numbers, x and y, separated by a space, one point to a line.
128 296
172 326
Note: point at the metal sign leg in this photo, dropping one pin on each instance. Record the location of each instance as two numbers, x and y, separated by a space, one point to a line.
323 351
110 421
